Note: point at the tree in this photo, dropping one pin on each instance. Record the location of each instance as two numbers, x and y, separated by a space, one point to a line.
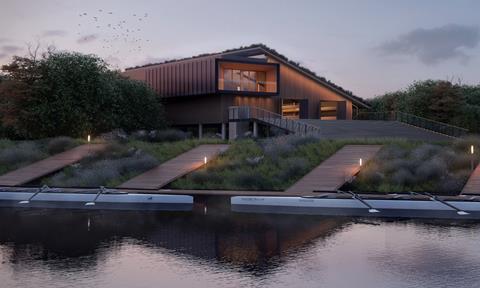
438 100
74 94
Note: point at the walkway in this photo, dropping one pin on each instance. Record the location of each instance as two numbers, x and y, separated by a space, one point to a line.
473 183
342 129
174 168
49 165
332 173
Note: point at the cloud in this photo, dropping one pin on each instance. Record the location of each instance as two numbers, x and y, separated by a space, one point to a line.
87 38
55 33
3 55
435 45
3 40
10 48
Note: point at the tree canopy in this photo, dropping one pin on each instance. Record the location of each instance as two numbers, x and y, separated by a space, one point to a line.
438 100
68 93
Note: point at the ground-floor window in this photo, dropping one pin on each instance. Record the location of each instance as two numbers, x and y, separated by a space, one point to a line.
328 110
291 109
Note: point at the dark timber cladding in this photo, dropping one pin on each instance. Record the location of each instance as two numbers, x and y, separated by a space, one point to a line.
188 77
200 89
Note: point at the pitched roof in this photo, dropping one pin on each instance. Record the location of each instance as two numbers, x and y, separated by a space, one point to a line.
272 52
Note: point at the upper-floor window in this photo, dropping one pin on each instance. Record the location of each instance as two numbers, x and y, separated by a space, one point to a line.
240 80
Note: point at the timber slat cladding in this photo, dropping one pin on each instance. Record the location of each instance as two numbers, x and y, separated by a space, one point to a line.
332 173
473 183
174 168
49 165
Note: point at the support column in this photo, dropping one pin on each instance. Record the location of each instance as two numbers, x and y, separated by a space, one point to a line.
255 129
200 131
224 131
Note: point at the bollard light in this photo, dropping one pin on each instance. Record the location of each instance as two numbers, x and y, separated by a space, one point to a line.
360 162
88 138
205 160
472 149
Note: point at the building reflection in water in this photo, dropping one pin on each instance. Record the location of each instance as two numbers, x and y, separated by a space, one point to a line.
252 242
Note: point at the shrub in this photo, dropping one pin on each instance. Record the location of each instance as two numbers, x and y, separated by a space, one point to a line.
60 144
168 135
403 177
16 156
107 172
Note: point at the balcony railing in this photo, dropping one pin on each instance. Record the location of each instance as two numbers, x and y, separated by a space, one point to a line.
241 113
260 86
413 120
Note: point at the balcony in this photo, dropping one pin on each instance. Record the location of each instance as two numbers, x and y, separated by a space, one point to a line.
247 78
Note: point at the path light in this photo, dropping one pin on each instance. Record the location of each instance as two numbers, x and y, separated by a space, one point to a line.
88 138
205 160
472 160
360 162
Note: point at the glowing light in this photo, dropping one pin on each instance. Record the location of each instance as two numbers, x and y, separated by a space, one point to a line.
205 160
88 138
360 162
472 149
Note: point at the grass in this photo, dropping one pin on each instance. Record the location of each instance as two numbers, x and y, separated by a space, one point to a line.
120 162
17 154
269 164
438 169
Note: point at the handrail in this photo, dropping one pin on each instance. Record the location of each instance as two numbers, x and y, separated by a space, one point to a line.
418 121
238 113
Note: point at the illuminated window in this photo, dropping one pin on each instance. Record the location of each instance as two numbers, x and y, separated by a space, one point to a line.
239 80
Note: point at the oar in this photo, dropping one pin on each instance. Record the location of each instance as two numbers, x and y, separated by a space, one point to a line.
43 188
435 198
357 197
92 203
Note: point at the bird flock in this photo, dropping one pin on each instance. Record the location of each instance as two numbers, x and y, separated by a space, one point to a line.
116 32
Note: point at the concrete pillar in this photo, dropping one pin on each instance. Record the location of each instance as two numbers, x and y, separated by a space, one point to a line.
237 129
200 131
224 131
255 129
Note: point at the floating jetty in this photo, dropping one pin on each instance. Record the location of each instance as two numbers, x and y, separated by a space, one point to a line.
412 205
339 203
96 199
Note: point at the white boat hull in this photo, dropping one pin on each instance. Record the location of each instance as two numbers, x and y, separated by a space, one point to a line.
116 201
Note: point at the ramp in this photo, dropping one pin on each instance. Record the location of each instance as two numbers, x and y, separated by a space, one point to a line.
332 173
49 165
174 168
473 183
349 129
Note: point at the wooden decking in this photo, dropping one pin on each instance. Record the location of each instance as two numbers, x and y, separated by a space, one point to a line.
332 173
473 183
174 168
49 165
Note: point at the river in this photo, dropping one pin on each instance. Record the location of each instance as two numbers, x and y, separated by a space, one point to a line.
58 248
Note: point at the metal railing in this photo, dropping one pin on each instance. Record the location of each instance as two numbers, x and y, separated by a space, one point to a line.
414 120
241 113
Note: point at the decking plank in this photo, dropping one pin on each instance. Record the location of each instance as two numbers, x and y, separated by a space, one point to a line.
473 183
49 165
332 173
174 168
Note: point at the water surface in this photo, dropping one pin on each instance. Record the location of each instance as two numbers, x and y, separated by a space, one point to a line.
57 248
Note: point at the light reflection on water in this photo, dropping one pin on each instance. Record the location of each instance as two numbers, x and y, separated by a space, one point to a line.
58 249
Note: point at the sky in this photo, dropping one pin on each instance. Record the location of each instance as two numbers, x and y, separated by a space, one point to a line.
368 47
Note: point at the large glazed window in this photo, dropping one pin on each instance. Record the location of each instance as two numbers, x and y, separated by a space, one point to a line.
239 80
247 77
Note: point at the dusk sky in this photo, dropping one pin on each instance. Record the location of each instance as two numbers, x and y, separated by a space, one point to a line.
368 47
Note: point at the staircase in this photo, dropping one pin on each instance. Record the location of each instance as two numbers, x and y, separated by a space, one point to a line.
248 113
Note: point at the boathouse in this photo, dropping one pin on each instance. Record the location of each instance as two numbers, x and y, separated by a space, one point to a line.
200 90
